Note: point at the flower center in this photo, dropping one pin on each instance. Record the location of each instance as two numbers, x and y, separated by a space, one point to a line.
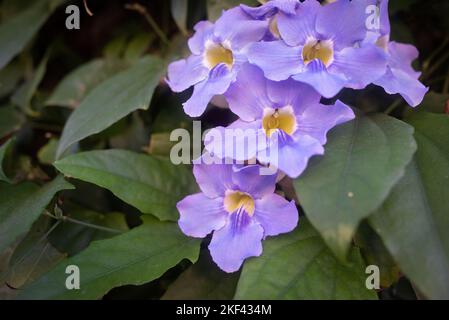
235 200
317 49
279 119
216 54
273 27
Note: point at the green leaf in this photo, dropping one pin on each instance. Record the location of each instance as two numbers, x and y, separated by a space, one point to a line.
33 256
150 184
22 204
112 100
137 46
363 161
414 220
10 120
10 77
216 7
72 238
375 253
22 97
203 281
17 31
179 11
47 154
299 265
136 257
3 150
81 81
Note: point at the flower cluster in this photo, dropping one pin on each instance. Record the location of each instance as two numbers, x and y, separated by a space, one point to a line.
273 64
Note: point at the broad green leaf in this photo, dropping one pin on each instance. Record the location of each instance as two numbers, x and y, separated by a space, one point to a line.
81 81
10 77
137 46
363 161
375 253
16 32
112 100
179 11
3 149
203 281
22 97
150 184
299 265
414 221
71 238
47 154
135 257
10 120
216 7
33 256
22 204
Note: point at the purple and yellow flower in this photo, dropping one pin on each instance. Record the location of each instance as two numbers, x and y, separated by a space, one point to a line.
218 51
240 207
269 11
286 118
400 77
319 46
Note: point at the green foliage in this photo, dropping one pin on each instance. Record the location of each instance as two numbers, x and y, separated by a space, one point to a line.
22 204
150 184
300 266
135 257
93 105
414 220
364 159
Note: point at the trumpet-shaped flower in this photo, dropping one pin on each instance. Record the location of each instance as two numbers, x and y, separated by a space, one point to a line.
320 47
240 207
217 54
399 77
281 123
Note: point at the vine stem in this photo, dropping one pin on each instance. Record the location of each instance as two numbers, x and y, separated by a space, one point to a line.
393 106
83 223
143 11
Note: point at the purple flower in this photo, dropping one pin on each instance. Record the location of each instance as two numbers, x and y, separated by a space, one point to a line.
319 47
240 207
400 77
281 123
269 11
217 53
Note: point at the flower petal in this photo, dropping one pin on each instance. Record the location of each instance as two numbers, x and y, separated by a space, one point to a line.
401 57
293 93
277 60
214 179
318 119
249 179
239 29
295 29
183 74
291 155
239 239
326 83
217 83
203 31
276 215
247 96
240 141
200 215
343 22
396 81
270 8
361 66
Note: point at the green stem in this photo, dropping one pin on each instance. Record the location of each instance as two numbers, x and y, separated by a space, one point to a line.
393 106
141 9
83 223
